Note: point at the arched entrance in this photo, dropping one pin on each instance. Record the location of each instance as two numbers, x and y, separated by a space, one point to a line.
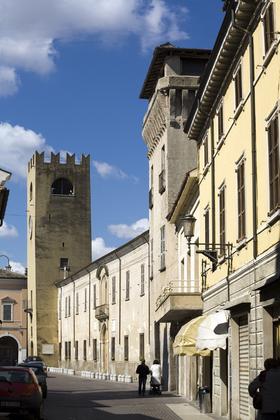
8 351
104 348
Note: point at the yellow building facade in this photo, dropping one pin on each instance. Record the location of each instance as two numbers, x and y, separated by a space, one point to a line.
235 121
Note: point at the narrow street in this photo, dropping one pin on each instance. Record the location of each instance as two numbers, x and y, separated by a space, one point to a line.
75 398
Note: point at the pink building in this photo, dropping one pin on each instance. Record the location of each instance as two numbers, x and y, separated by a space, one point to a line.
13 318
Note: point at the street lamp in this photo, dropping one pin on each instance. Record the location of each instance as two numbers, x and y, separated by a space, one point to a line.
188 223
8 267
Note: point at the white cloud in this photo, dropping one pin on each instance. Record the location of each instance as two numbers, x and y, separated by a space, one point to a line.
129 231
17 267
8 231
29 28
99 248
105 170
9 81
17 147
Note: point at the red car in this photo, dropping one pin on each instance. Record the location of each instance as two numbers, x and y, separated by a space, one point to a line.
20 392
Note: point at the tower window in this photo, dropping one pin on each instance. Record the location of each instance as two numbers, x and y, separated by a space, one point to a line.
62 186
63 264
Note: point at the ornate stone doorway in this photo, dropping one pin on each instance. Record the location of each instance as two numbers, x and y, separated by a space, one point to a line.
8 351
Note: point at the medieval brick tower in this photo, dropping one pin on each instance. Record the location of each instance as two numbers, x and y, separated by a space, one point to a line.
58 241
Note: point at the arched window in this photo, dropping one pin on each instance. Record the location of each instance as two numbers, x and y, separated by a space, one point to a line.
62 186
30 192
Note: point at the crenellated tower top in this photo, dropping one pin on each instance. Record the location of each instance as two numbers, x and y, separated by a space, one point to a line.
39 159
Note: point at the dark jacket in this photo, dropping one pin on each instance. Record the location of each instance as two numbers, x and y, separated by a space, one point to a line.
142 370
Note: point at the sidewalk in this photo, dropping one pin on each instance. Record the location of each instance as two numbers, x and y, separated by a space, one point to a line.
187 411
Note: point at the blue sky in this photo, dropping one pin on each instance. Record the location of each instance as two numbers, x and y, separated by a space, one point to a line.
70 77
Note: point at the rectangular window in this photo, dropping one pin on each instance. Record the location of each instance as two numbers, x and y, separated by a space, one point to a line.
126 354
113 348
141 347
162 248
66 307
241 200
94 296
69 306
142 285
85 350
59 351
94 349
207 228
69 350
65 350
151 258
127 285
113 290
274 164
269 30
63 263
76 350
85 302
220 122
222 218
206 151
7 312
238 87
162 181
151 195
77 303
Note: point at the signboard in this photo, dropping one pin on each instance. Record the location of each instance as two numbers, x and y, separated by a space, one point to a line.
47 349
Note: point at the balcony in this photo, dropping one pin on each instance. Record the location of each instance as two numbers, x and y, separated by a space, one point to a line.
161 182
178 300
151 198
102 312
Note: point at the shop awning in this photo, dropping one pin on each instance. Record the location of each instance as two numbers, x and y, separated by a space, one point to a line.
185 340
213 331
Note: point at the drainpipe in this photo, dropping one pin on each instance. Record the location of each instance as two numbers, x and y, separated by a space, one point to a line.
89 307
149 297
74 317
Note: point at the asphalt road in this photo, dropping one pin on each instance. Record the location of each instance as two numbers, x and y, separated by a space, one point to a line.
75 398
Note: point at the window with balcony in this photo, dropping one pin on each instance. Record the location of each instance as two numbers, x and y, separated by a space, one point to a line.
241 200
274 163
162 248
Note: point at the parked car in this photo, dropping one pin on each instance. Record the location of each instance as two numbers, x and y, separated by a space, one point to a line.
33 359
20 391
40 375
38 361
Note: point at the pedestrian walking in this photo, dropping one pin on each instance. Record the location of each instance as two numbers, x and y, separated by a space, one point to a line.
265 391
142 371
156 377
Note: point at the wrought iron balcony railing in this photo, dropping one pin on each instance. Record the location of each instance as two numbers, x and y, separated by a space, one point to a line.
177 288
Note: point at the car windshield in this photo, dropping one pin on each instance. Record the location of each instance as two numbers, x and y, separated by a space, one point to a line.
21 377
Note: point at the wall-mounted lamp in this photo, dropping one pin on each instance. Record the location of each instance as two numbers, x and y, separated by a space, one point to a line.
8 267
188 223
